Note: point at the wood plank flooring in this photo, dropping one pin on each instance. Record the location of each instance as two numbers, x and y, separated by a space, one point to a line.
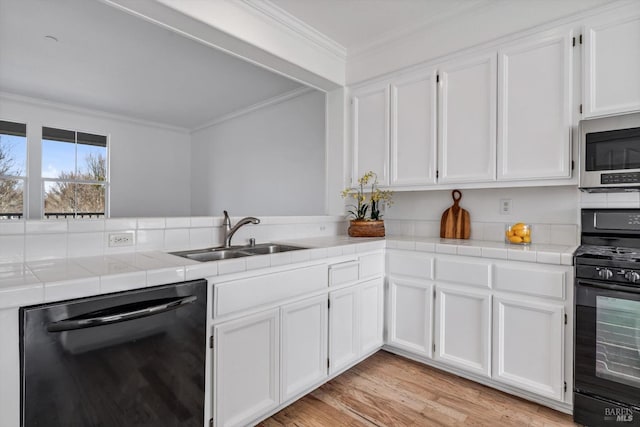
389 390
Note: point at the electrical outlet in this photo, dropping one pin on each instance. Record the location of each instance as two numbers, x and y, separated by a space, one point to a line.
121 239
505 206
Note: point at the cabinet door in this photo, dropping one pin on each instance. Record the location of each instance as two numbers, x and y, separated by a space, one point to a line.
410 313
247 357
467 135
343 328
611 64
304 345
371 132
534 108
413 129
528 345
463 328
371 315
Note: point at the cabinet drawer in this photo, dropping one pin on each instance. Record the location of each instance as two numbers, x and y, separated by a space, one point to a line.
345 272
410 264
533 280
371 266
241 294
463 271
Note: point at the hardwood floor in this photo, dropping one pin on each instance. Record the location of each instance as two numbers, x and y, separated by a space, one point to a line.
389 390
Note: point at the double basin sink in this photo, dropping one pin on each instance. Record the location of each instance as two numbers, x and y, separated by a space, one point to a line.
220 253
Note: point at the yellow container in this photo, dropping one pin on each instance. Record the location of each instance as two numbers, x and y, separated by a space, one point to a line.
518 234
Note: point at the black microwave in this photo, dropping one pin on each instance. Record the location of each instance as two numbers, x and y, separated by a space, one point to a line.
610 153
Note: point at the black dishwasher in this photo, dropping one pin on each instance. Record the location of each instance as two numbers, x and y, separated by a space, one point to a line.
134 358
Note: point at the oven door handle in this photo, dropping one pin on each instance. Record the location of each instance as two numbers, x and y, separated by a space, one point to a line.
608 286
72 324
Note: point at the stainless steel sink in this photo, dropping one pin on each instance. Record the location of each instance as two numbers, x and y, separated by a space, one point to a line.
269 248
217 254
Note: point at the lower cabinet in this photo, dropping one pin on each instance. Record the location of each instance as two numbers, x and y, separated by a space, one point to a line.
247 367
507 321
265 359
529 345
304 345
410 314
355 322
463 328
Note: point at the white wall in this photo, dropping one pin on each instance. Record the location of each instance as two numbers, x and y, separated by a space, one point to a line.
267 162
148 163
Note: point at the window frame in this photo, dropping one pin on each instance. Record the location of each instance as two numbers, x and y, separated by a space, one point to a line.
24 178
106 183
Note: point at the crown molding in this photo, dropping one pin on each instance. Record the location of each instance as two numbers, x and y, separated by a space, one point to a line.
257 106
295 26
38 102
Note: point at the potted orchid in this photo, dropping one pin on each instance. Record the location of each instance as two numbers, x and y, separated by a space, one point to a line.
366 219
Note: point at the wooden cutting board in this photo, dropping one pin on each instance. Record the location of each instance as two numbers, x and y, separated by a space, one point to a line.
456 222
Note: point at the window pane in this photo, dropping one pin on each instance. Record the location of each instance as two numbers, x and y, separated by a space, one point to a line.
59 198
90 200
92 162
64 199
11 198
58 159
13 149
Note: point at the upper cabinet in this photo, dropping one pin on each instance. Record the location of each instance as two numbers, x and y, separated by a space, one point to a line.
611 64
413 128
534 108
467 127
500 115
371 132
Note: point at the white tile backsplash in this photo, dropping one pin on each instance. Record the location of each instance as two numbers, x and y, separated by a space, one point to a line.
85 244
46 239
176 239
45 246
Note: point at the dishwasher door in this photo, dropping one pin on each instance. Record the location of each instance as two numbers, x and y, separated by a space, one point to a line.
134 358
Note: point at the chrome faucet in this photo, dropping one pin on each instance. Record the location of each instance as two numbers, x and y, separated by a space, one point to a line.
230 231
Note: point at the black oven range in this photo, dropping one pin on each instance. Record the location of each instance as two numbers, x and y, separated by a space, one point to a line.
607 313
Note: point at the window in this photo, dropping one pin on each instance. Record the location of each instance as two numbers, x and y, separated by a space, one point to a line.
13 169
74 173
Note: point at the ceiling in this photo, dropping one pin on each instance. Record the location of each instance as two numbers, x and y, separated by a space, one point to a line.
356 24
110 61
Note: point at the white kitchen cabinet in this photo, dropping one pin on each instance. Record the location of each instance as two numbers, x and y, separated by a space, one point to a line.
356 317
370 114
410 314
371 316
534 107
467 123
304 345
611 64
413 128
343 328
247 368
463 328
529 345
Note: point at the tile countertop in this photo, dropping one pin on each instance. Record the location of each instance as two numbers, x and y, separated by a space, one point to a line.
544 254
37 282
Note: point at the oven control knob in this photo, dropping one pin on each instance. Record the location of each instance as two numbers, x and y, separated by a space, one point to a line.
605 273
632 276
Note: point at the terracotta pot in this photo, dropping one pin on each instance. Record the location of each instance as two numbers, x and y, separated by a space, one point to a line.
360 228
